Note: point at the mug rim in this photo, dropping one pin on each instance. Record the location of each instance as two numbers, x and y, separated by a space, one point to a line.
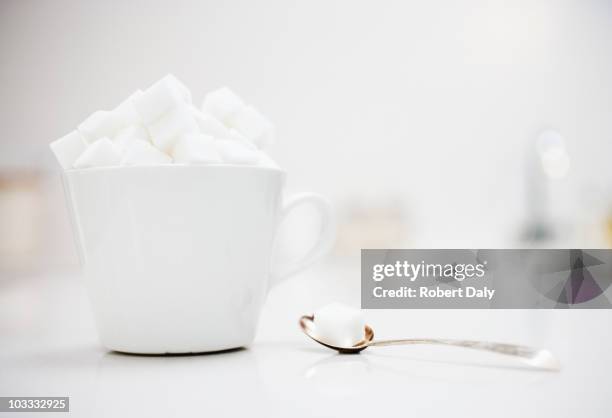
173 166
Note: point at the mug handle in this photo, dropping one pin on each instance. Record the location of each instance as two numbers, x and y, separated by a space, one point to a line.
323 243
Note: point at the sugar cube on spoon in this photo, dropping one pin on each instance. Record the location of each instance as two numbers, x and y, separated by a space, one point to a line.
339 325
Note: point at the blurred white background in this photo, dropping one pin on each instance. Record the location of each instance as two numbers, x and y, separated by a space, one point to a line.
417 119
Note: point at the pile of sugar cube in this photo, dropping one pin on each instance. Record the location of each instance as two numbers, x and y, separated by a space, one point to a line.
162 126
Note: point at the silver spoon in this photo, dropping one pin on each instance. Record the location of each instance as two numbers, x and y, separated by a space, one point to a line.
542 359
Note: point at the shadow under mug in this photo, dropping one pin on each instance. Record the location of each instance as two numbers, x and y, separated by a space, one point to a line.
178 259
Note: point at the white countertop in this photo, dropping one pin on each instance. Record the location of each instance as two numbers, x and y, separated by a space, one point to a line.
48 347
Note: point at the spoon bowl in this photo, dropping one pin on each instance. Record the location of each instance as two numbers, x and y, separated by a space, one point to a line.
308 327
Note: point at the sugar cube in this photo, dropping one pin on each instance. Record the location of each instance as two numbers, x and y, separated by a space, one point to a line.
253 125
129 134
125 114
195 148
266 161
339 325
184 92
101 153
68 148
161 97
165 131
235 152
98 125
209 125
237 136
222 103
139 152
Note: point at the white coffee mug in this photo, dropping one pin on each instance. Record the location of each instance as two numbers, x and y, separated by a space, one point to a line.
178 259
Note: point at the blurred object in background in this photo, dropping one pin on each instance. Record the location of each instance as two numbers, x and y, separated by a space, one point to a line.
592 215
21 203
563 210
609 227
371 223
35 233
547 162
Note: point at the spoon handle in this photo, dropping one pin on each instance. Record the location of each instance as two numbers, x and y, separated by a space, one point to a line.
536 357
